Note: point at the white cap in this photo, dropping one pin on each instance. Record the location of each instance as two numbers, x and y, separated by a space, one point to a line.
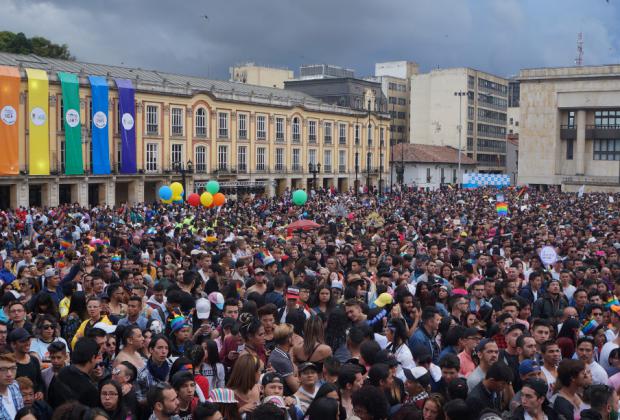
109 329
203 308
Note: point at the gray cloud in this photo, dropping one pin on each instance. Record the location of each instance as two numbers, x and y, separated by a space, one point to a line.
499 36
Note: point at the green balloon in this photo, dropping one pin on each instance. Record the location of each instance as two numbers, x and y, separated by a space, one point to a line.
300 197
213 187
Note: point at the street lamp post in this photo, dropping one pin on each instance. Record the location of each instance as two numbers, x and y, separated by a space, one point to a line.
392 151
183 170
314 169
368 157
460 94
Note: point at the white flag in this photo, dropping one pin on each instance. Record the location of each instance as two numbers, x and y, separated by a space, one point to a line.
611 199
581 190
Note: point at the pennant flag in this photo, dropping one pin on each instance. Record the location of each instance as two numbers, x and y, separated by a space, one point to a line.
521 191
70 86
502 209
9 120
39 133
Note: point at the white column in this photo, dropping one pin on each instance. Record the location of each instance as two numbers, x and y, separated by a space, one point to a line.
581 142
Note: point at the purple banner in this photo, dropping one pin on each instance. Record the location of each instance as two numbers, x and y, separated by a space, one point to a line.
127 126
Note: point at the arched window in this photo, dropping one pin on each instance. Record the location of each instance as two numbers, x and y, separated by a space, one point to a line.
201 122
296 130
201 159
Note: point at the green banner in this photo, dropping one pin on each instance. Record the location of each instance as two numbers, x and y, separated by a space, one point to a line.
73 128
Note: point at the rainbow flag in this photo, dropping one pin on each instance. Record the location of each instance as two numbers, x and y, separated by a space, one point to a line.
611 301
589 326
64 245
502 209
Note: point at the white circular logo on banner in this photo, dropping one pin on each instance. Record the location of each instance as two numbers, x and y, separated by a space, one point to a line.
127 121
73 118
99 119
8 115
548 255
37 116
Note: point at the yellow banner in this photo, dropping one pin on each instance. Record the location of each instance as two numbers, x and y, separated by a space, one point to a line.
38 122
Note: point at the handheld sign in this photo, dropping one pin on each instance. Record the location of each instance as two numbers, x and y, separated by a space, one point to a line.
548 255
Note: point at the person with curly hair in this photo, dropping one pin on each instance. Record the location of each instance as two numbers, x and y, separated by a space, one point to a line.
370 403
253 334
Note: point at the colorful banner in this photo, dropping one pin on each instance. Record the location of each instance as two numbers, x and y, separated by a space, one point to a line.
38 126
127 126
502 209
9 120
99 117
475 180
70 86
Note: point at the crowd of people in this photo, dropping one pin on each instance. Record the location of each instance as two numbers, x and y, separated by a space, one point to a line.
414 305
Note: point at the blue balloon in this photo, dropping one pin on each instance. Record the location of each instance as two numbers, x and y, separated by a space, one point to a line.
165 193
178 202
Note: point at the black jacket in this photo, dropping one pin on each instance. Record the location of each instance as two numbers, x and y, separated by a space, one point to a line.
72 384
549 308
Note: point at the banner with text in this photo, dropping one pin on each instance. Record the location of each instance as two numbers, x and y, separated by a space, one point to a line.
38 125
9 120
100 139
127 127
70 86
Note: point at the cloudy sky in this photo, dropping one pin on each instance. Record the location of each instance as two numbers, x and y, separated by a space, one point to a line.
499 36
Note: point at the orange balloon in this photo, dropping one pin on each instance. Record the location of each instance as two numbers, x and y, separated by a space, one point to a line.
219 199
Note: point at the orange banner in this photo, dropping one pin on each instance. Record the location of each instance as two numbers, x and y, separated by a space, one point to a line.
9 121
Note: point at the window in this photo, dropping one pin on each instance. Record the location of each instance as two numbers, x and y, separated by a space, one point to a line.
402 101
569 149
470 112
261 127
119 150
443 175
242 126
428 174
296 130
62 157
571 119
242 163
454 180
370 134
222 131
368 161
357 134
61 124
176 154
152 157
201 122
260 159
381 136
279 129
279 159
342 161
486 130
607 149
342 133
152 120
296 160
312 131
176 124
327 160
327 133
222 158
201 159
312 156
610 118
510 121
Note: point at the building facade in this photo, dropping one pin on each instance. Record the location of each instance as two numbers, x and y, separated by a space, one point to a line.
395 79
252 74
427 166
570 128
171 126
444 100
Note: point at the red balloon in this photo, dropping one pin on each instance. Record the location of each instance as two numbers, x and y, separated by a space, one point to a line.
193 200
219 199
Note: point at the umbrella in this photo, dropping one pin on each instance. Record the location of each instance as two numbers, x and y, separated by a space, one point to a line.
302 225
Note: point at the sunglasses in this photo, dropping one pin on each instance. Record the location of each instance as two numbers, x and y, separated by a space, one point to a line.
48 327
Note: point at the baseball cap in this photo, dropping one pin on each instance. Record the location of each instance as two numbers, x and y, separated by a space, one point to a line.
222 395
418 374
109 329
308 365
528 366
483 343
292 293
271 377
50 272
276 400
336 284
203 308
217 299
259 271
18 334
515 326
384 299
470 332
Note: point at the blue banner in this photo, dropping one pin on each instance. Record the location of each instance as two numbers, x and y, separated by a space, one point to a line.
99 117
127 126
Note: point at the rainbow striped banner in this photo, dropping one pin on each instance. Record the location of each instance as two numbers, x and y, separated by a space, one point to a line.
502 209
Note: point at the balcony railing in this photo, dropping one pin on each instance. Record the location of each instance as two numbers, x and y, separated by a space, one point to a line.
261 168
296 138
342 169
328 140
296 168
327 169
602 132
242 168
590 180
200 168
280 138
312 139
568 132
280 168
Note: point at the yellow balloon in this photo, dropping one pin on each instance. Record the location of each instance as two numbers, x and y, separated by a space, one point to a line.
177 189
176 198
166 201
206 199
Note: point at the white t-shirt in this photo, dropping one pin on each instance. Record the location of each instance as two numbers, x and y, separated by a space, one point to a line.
599 376
550 380
605 351
7 402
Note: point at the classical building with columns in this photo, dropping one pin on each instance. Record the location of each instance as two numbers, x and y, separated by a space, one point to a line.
570 128
249 138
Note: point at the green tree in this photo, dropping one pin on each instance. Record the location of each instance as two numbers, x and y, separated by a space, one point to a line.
18 43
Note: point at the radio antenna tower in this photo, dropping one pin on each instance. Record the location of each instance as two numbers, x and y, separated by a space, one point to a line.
579 58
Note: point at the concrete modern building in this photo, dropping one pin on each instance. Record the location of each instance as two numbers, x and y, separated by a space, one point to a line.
570 127
514 112
346 92
428 166
245 136
442 100
512 157
395 79
324 71
252 74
